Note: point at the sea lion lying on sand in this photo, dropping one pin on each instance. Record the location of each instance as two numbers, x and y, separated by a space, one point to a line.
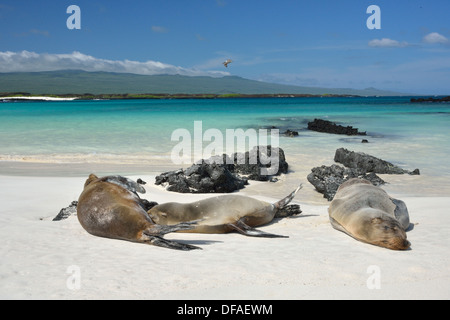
367 213
110 207
223 214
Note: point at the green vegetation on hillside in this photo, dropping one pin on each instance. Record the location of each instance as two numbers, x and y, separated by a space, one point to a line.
78 82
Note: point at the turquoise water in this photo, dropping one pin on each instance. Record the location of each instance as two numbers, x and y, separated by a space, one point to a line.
139 131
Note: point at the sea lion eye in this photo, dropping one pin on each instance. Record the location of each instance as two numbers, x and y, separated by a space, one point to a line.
376 220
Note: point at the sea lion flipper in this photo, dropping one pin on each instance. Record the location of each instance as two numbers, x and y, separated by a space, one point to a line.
161 242
289 210
160 230
246 230
154 235
285 201
401 213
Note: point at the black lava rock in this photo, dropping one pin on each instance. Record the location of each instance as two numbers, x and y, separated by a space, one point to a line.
224 174
327 179
326 126
368 163
260 163
202 178
64 213
290 133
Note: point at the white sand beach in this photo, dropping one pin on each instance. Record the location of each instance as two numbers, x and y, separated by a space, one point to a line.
45 259
38 98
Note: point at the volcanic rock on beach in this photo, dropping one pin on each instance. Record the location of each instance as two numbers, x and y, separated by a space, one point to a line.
226 174
245 164
326 126
64 213
368 163
327 179
201 178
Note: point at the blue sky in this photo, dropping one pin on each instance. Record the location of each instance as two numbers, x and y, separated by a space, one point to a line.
308 43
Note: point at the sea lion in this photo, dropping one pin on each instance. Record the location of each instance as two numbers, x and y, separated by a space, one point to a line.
223 214
367 213
110 207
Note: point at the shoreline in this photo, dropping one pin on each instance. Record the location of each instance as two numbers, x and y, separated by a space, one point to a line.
399 185
161 96
11 96
38 98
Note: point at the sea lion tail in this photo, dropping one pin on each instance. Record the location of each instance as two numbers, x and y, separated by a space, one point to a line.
285 201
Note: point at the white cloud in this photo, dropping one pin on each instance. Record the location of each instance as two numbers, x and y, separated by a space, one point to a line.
44 33
26 61
387 43
160 29
435 37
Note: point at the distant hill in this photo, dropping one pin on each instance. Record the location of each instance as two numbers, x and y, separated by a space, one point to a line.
81 82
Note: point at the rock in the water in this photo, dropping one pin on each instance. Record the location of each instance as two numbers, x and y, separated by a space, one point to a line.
431 99
290 133
327 179
64 213
368 163
331 127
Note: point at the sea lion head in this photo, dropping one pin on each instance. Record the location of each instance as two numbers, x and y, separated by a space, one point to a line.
92 177
158 216
172 213
385 231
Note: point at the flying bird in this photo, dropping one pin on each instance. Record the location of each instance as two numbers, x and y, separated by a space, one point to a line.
228 61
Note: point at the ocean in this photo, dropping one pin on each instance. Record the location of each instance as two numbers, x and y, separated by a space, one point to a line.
144 132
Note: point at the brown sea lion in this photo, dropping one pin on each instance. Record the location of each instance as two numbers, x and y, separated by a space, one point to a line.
223 214
110 207
367 213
